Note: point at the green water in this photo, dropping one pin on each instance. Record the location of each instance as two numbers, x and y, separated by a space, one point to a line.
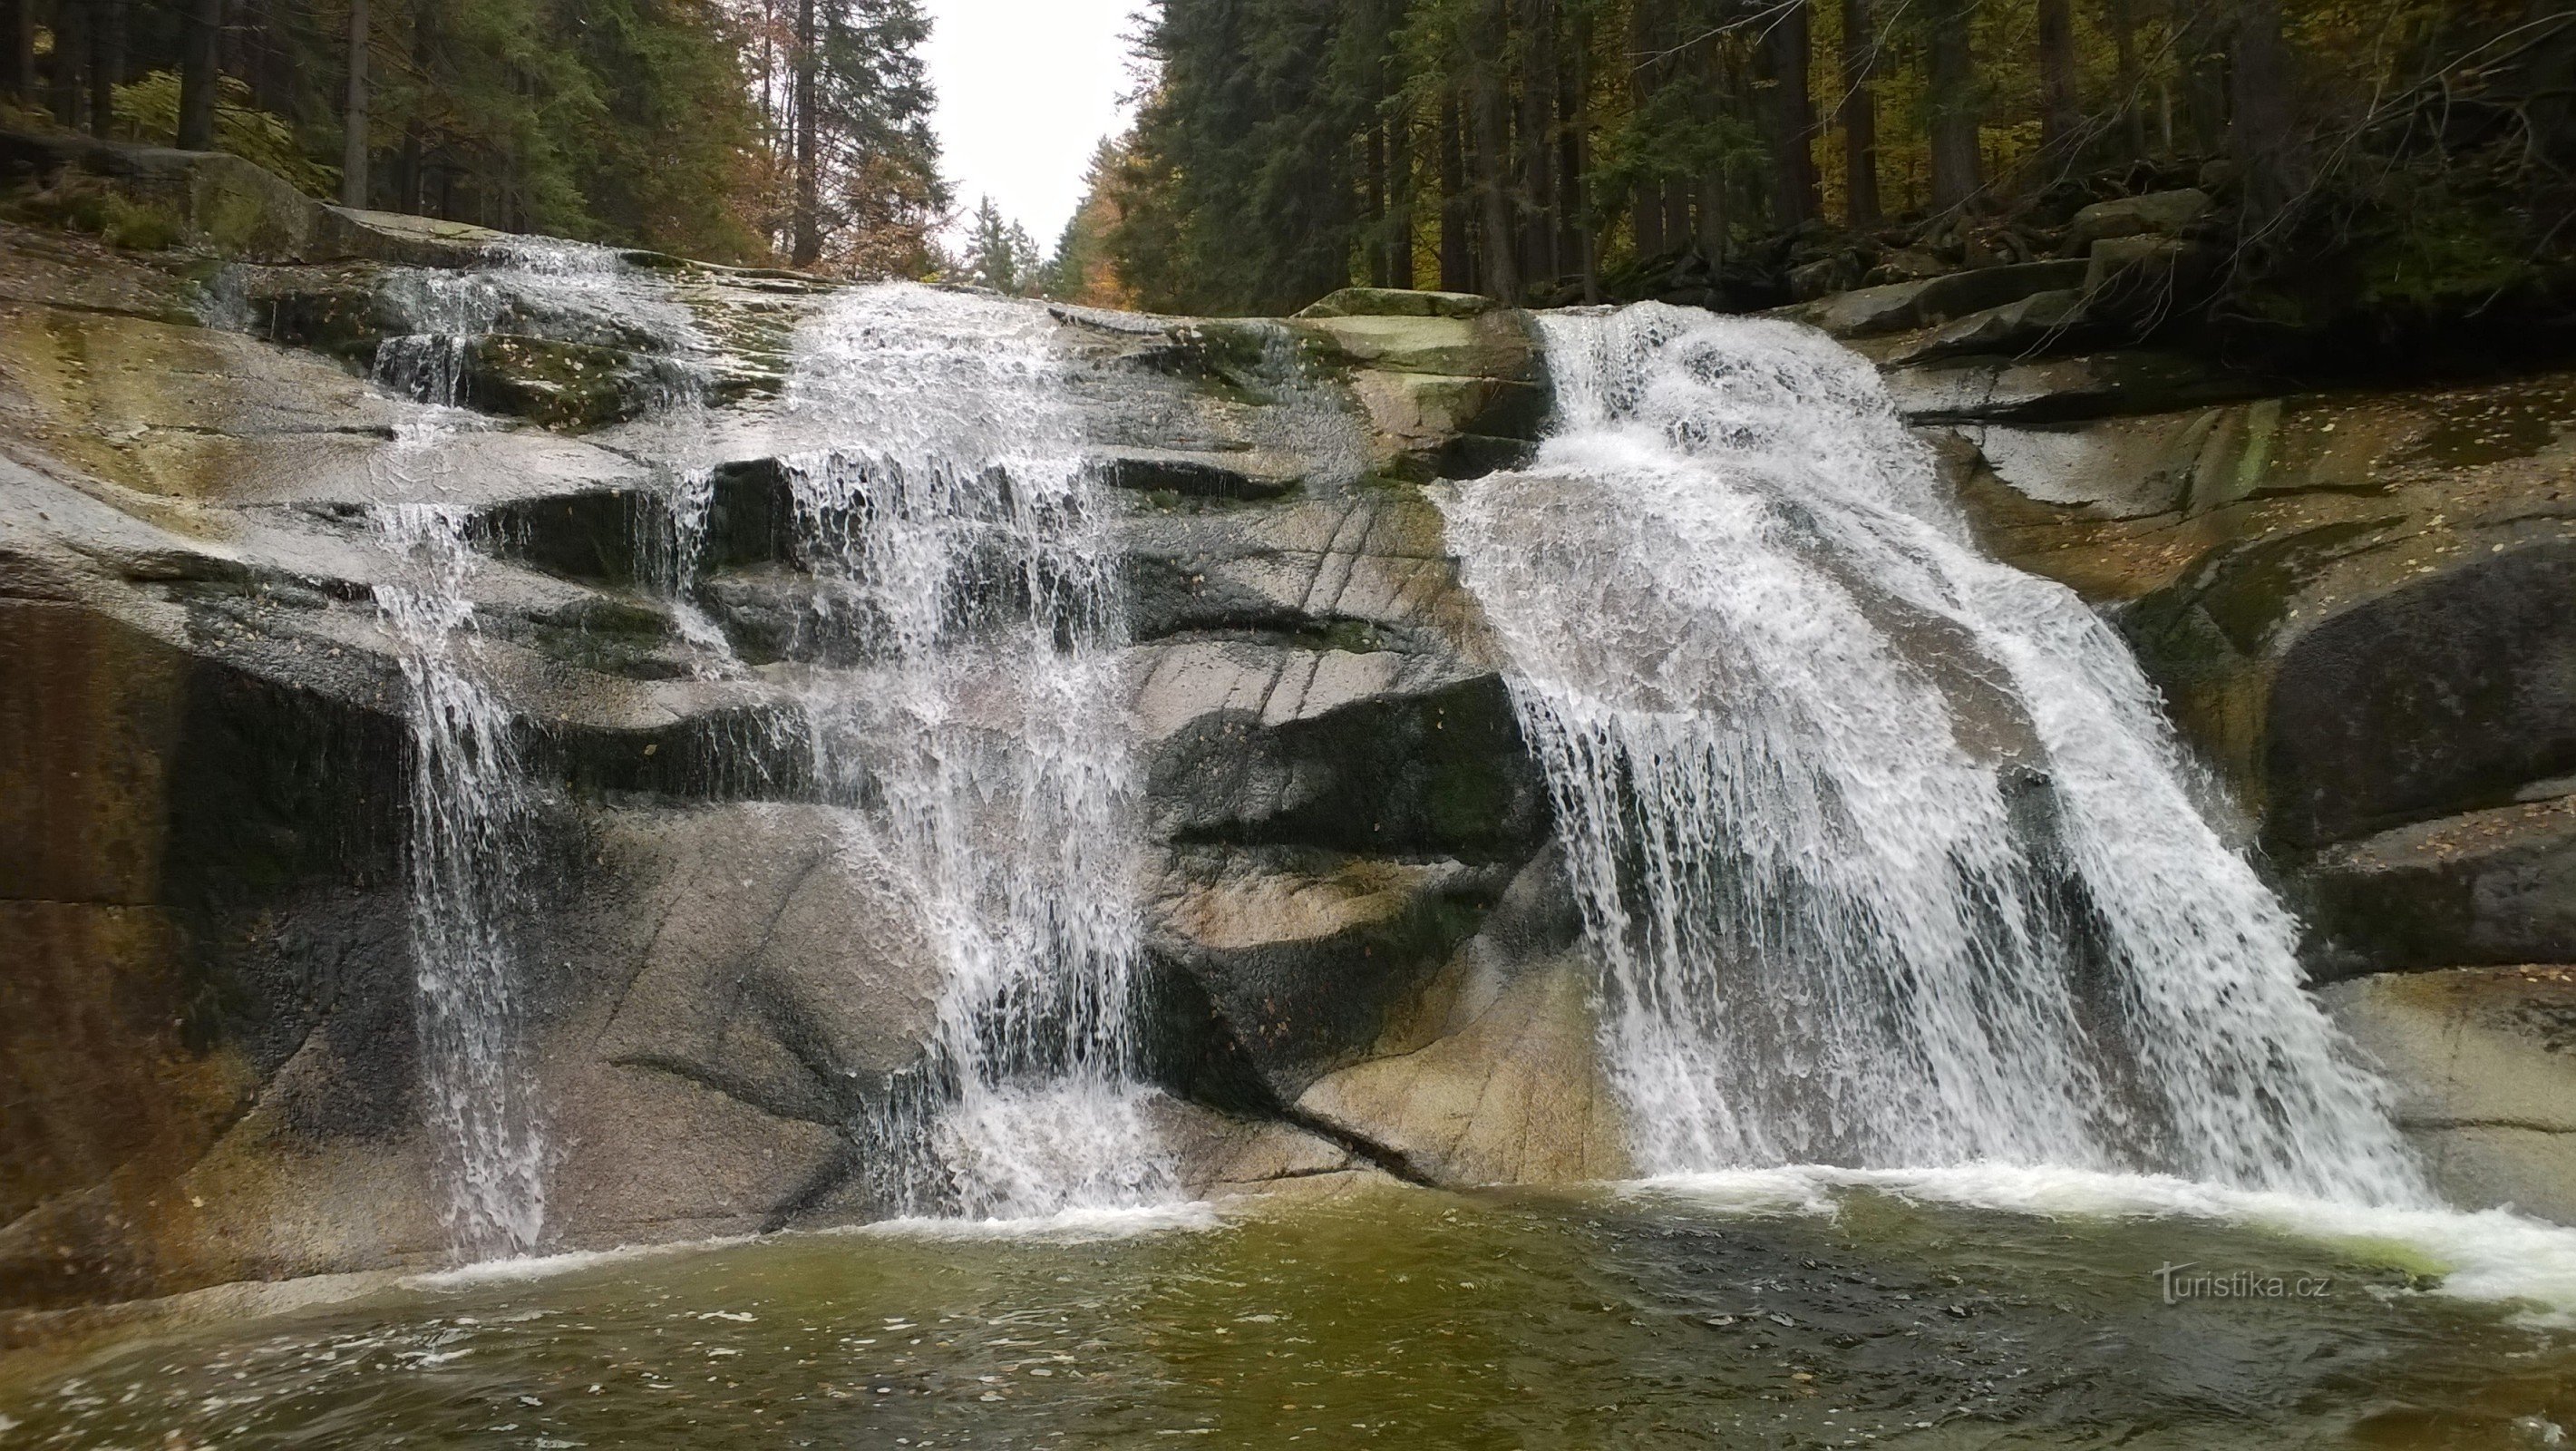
1404 1319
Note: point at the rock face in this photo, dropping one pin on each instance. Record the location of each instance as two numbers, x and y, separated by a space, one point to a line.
211 1046
2485 1060
1361 957
2361 609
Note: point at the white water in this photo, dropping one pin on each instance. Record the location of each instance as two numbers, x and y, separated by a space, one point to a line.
469 807
959 551
2492 1255
468 820
1796 728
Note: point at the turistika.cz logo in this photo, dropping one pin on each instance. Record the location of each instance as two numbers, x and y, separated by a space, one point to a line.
2178 1286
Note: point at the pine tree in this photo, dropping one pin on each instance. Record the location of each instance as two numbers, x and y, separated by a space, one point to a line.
1001 255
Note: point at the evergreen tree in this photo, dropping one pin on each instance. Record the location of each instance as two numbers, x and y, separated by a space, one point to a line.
1001 255
658 123
1552 150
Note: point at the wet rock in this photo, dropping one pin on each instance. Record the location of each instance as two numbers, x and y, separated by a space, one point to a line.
2093 386
1221 1154
2486 1077
600 536
1492 1073
2037 323
1397 302
1381 752
2450 687
1928 302
2484 887
1495 345
1457 427
765 953
1192 475
561 384
2352 604
1301 954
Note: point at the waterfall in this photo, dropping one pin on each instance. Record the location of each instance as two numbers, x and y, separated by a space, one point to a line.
1886 849
468 821
964 699
469 807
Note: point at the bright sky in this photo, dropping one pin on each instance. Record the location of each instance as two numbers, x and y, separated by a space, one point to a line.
1026 89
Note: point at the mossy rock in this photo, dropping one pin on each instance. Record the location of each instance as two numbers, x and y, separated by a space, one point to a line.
570 386
152 197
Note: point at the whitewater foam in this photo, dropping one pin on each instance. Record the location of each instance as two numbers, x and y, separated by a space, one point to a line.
2493 1256
1886 847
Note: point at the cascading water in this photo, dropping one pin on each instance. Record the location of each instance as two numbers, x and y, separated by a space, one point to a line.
469 802
468 813
962 564
1889 854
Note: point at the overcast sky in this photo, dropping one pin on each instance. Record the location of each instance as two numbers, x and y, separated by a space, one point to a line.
1026 89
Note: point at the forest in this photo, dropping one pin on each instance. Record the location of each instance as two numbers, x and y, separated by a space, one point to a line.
791 131
2404 158
1737 153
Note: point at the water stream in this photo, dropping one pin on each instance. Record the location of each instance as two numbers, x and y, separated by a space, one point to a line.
469 807
1888 851
962 564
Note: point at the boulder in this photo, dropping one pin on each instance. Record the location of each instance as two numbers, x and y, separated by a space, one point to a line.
1397 302
2483 887
2161 214
2145 283
2096 385
1930 301
2038 323
2448 686
1492 345
147 198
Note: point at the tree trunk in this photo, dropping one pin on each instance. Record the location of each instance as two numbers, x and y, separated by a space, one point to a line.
1709 220
1859 117
1537 143
1957 169
353 118
1399 231
198 73
1500 270
1646 206
2264 134
807 244
1457 251
1380 270
411 190
2123 18
71 63
2204 72
1790 116
1574 161
2060 121
18 80
107 63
